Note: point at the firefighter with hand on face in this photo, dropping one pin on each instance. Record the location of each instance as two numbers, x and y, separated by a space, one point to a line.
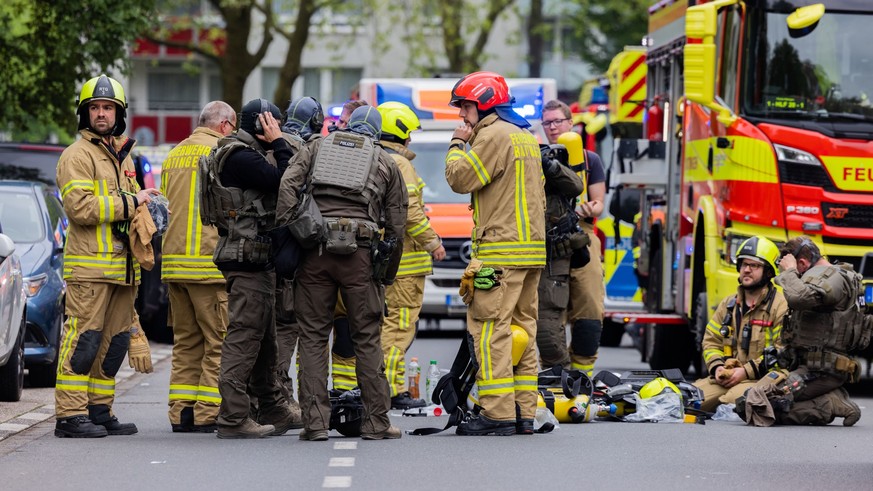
503 172
587 292
421 246
826 321
100 194
743 327
355 185
198 300
240 199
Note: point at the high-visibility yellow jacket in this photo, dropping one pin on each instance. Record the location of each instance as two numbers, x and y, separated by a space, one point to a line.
98 184
421 239
188 244
503 171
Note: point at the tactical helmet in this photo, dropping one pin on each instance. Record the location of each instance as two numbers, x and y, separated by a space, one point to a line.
658 386
759 249
398 121
305 116
346 413
107 89
520 340
366 121
248 117
486 89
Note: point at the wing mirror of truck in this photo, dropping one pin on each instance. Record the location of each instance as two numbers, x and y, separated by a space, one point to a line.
804 20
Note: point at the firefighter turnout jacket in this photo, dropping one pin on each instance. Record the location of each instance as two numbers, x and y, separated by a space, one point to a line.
508 231
98 184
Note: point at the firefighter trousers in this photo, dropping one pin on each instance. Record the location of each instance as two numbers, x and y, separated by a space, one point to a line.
585 310
94 342
318 280
715 394
489 317
199 320
403 300
249 351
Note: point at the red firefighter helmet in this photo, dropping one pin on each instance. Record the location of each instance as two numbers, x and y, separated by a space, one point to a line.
486 89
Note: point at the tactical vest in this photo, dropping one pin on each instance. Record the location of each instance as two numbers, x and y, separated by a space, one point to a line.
828 328
246 215
346 167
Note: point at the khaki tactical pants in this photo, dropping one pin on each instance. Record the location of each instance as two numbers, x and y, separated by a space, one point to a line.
104 308
249 352
343 353
287 332
199 323
489 317
404 299
587 293
809 407
553 294
318 280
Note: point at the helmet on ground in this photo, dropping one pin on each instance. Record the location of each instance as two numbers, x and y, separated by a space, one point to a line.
305 116
366 121
486 89
248 117
761 250
106 89
658 386
520 340
346 413
398 121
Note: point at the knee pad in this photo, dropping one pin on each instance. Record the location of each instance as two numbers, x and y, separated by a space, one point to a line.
115 354
342 338
586 337
86 351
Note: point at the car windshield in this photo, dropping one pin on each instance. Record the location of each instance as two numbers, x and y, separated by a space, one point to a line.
430 163
26 163
826 74
20 218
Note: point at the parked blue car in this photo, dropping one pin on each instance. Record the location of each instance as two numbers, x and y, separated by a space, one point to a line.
32 215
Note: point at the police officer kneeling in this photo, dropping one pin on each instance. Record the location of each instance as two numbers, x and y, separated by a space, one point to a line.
356 186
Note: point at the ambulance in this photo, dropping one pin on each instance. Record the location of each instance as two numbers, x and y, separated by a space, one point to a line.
450 213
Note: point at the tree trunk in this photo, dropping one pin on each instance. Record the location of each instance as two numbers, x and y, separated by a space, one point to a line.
535 39
296 42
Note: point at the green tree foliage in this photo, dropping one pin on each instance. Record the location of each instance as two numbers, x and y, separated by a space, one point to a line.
48 48
601 28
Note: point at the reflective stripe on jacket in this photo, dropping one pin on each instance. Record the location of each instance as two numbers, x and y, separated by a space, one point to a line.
503 171
420 239
188 244
97 185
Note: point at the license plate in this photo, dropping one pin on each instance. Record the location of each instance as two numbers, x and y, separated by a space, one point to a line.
454 301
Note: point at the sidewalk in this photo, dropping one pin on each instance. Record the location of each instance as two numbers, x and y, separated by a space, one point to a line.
37 404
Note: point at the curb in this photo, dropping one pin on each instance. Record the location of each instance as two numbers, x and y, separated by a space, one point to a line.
42 413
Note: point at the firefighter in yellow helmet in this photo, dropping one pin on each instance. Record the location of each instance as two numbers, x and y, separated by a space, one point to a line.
198 298
502 170
742 327
421 245
100 194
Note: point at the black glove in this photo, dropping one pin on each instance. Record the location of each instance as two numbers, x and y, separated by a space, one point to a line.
580 258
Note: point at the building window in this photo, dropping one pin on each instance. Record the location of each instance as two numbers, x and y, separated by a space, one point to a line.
173 91
343 82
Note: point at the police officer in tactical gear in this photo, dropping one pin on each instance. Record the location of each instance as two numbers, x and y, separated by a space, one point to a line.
242 204
826 322
358 190
562 230
744 327
303 122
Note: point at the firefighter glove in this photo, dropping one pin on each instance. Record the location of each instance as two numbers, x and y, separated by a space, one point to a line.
138 354
466 290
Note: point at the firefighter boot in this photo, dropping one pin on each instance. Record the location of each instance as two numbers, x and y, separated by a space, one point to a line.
390 433
282 417
186 421
247 429
523 426
844 407
480 425
78 427
100 415
406 401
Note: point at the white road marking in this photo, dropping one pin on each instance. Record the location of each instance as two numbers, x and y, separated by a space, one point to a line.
345 445
341 462
337 482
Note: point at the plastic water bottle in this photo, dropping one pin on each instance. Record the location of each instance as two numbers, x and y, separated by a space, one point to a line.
433 376
414 371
